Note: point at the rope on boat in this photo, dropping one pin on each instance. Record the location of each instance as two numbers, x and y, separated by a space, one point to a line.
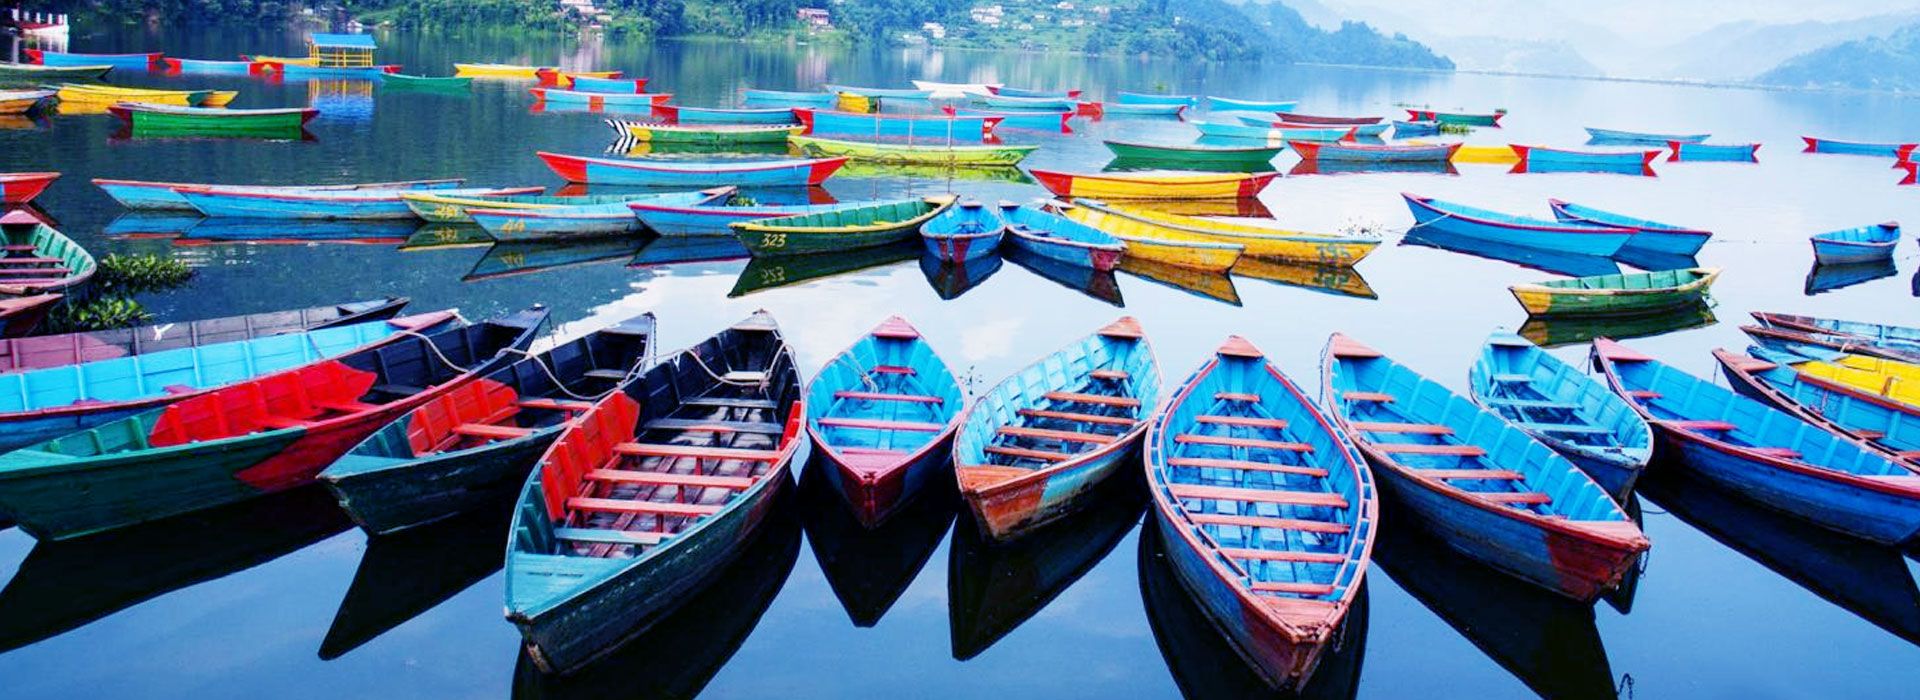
540 362
435 349
765 379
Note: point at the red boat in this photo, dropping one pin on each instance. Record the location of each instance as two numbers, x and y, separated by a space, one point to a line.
1298 118
21 188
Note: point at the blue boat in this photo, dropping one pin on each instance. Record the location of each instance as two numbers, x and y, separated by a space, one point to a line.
1556 262
1640 138
894 93
1141 98
1405 129
301 71
190 66
1060 239
969 231
1877 339
883 412
818 100
39 405
1715 152
664 172
1863 244
1569 411
1023 92
1271 134
255 203
1048 104
1033 448
1492 226
676 114
651 492
1902 151
1770 376
1268 511
919 126
600 101
614 86
1538 158
137 194
127 61
1369 131
1480 484
508 225
1127 109
1222 104
675 220
1648 236
472 448
1767 455
1040 121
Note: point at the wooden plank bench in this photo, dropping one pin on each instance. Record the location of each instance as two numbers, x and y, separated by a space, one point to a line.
873 424
1284 555
614 505
1025 453
639 538
881 396
1229 493
491 432
1241 465
1095 399
1422 448
1249 443
636 449
724 402
1243 422
1261 521
1403 428
627 476
1072 417
695 425
1059 435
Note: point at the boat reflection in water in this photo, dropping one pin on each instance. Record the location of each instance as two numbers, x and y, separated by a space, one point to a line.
1621 597
1205 664
407 573
1569 264
992 589
64 585
756 195
1529 166
950 279
1246 207
633 148
214 230
1340 167
674 250
1122 164
762 274
1561 332
140 225
1547 641
1826 278
341 100
1208 285
1327 279
866 169
447 237
1085 280
678 655
868 570
1655 261
1867 579
510 259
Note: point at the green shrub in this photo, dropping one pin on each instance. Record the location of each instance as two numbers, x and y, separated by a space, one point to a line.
133 274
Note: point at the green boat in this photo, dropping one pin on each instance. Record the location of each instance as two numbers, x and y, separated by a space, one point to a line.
165 120
450 209
1617 295
704 134
857 170
423 82
838 230
911 154
762 274
10 72
1191 157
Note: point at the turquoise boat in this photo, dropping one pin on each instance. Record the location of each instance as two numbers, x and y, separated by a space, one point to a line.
918 126
1769 376
1714 152
651 492
1047 104
1563 408
1060 239
717 219
1036 120
1861 244
359 205
1480 484
508 225
676 114
1128 109
189 66
126 61
1640 138
965 232
472 448
600 101
1878 339
882 414
1271 134
665 172
1409 129
893 93
1468 222
1648 236
1901 151
612 86
160 196
1226 104
1141 98
818 100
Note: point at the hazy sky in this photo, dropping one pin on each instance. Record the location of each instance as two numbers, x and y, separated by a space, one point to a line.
1656 20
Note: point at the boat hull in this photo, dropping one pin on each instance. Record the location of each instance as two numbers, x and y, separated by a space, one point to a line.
1878 516
1195 157
948 128
1559 302
1138 187
891 153
1584 240
1010 511
1269 651
1706 152
417 492
599 171
21 188
1454 118
963 248
875 496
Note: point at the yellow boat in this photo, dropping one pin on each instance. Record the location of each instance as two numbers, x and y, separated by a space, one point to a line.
1154 185
1487 154
284 60
1190 253
849 102
219 98
1892 379
564 78
1212 285
1260 241
495 70
78 94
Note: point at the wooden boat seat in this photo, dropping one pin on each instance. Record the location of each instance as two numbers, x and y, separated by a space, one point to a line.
1306 589
625 476
1643 394
1260 521
870 424
894 369
1406 428
1284 555
1473 474
1419 448
1243 422
1373 396
1704 425
1059 435
1245 466
722 402
1908 454
1072 417
1782 452
1242 398
612 375
1531 403
554 405
1249 443
1512 378
1229 493
491 432
1027 453
744 376
1869 434
597 536
1109 374
1569 428
696 425
1529 498
18 248
636 449
29 260
881 396
1095 399
35 271
614 505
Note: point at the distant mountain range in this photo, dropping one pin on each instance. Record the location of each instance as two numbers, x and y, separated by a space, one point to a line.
1891 62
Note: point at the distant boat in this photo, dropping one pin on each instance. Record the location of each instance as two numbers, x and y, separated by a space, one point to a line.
1641 138
1497 227
1857 245
1648 236
1457 118
1714 152
1901 151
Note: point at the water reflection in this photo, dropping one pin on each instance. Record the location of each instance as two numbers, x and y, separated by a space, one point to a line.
409 572
1335 167
868 570
1561 332
992 589
1124 164
135 225
1205 664
1207 285
762 274
1621 597
65 585
231 229
508 259
950 280
1569 264
671 250
447 236
1326 279
1827 278
1085 280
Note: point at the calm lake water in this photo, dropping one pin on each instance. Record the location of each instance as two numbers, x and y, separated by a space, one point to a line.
283 598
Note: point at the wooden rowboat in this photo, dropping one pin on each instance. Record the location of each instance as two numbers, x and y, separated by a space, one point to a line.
950 91
1555 158
1460 118
1147 242
358 205
34 73
1714 152
1563 408
20 316
1891 380
1141 98
508 224
1040 440
1881 340
869 226
1274 135
1153 185
569 78
162 120
1298 118
426 82
472 448
1634 294
1767 455
1640 138
496 70
600 101
128 61
454 208
1901 151
1869 418
1224 104
1056 238
1027 92
242 441
108 95
1648 236
715 220
1322 132
1038 121
1269 513
1128 109
1195 157
883 412
1405 129
1473 223
190 66
650 492
817 100
685 173
160 196
612 85
1486 488
20 188
1811 344
964 232
895 93
912 154
1856 245
40 352
1048 104
1373 153
36 259
1131 222
917 126
704 134
17 102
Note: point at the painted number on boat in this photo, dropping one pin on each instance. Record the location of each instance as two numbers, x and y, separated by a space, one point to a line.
447 211
773 240
514 226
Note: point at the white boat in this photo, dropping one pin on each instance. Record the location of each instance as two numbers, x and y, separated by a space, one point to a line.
956 90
